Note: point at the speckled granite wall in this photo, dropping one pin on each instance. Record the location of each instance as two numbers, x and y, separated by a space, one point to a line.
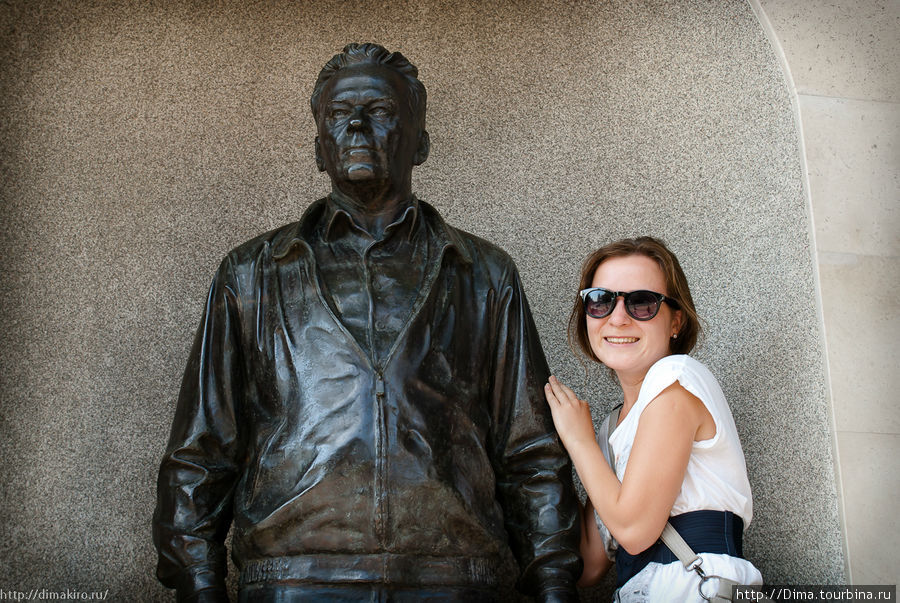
141 141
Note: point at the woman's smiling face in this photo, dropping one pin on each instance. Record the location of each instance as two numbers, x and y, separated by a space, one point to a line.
628 346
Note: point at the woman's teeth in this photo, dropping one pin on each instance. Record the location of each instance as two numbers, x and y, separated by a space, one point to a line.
621 339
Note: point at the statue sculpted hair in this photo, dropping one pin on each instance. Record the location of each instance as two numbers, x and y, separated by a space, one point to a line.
373 54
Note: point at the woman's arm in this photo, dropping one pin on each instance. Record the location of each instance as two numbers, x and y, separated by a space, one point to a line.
635 510
593 549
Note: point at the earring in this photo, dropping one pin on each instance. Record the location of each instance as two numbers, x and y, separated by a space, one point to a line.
675 336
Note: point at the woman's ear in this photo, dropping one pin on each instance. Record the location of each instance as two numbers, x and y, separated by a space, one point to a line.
677 320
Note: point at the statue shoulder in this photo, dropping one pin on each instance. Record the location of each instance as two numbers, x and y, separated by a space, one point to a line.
278 242
473 248
486 251
491 264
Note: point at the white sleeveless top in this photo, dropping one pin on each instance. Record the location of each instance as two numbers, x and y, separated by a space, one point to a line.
716 479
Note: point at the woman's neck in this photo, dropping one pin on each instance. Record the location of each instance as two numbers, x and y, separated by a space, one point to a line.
631 383
631 389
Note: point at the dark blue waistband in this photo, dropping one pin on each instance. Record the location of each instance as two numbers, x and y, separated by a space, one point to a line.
704 531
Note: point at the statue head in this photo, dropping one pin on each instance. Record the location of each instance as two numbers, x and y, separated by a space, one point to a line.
373 54
369 108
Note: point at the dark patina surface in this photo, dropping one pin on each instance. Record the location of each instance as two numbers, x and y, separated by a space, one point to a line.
363 402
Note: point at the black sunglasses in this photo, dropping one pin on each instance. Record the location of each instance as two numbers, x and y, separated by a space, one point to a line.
640 305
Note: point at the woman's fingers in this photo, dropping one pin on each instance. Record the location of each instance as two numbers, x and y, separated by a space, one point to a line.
571 416
568 393
548 392
562 392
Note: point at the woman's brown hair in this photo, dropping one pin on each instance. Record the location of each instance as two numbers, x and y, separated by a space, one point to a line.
676 288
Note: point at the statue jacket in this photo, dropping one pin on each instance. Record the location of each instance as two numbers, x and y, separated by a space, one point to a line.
428 467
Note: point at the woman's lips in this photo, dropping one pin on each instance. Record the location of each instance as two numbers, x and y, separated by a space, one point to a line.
618 340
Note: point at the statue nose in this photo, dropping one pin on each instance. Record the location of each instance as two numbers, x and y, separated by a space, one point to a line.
356 118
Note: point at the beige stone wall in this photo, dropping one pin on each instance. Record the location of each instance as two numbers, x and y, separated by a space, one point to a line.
141 141
844 62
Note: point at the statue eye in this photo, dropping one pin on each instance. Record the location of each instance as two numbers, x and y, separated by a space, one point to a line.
380 111
339 112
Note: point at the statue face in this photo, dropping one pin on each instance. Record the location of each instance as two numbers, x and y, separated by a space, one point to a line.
368 134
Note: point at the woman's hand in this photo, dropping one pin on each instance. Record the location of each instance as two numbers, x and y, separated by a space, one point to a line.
571 415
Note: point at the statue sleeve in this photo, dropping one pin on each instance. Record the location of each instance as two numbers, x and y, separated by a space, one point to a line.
534 474
199 470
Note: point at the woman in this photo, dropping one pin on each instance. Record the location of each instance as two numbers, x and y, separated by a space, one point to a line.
675 445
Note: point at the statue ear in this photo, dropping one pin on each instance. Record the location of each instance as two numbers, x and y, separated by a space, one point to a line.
319 162
423 150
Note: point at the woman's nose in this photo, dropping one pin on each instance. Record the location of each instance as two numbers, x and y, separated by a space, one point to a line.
619 315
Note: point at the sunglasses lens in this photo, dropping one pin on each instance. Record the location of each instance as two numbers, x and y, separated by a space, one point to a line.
642 305
598 303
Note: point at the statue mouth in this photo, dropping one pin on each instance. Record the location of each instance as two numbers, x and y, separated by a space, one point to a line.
352 151
360 160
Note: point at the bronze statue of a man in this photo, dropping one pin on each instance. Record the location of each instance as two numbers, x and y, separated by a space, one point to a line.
363 402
